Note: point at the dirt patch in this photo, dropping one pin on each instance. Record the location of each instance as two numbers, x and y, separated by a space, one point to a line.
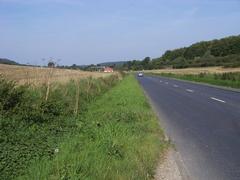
168 168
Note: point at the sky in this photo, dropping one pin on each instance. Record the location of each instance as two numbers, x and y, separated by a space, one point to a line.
94 31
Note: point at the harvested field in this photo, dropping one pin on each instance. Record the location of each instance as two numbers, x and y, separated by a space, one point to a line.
40 75
195 70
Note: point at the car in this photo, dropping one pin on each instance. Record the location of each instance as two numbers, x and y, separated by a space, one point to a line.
140 74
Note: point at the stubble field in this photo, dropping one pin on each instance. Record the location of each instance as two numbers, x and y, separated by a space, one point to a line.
207 70
40 75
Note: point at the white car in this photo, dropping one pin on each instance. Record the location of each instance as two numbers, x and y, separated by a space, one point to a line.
140 74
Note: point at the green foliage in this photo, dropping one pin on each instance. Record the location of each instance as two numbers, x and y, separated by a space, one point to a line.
225 46
235 77
146 63
225 79
118 138
172 55
196 50
10 96
223 52
32 128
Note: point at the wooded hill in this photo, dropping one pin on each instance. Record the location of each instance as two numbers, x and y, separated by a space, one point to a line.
222 52
7 61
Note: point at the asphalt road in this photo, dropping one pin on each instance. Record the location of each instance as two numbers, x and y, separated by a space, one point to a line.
204 124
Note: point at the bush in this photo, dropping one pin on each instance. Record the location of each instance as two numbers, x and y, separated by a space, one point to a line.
202 75
10 95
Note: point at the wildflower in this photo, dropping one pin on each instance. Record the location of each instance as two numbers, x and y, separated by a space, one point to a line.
56 150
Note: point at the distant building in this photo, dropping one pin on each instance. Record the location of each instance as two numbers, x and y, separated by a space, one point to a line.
108 70
51 64
105 69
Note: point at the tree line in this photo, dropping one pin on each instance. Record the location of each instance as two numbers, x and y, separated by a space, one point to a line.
222 52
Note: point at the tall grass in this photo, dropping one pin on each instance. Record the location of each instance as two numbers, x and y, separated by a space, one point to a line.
118 137
32 127
231 79
37 76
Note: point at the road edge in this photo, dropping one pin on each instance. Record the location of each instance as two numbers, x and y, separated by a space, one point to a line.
200 83
175 155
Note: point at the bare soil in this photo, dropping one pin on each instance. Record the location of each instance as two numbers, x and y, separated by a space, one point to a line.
168 168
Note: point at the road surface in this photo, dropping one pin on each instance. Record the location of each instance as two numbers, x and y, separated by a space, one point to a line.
204 124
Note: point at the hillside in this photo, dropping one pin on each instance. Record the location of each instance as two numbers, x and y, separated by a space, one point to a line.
115 64
222 52
7 61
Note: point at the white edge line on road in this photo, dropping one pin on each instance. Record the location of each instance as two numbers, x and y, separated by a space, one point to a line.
166 82
190 90
216 99
160 81
175 85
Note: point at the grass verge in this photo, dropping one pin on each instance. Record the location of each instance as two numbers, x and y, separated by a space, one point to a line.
119 138
225 79
32 127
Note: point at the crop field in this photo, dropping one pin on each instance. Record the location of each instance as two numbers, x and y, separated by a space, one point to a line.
198 70
40 75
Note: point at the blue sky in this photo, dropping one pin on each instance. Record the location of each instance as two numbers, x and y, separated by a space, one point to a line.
93 31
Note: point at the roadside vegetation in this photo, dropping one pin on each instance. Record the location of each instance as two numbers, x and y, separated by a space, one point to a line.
79 132
34 120
231 79
196 70
117 137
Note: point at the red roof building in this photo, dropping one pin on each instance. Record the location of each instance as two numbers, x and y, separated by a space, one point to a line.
108 70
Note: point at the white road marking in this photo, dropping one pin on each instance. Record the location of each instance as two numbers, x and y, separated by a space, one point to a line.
216 99
175 85
160 81
190 90
166 82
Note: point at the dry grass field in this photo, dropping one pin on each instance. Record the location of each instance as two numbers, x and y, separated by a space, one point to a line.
38 75
195 70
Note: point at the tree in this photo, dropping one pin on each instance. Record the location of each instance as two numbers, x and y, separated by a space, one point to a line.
51 64
145 62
